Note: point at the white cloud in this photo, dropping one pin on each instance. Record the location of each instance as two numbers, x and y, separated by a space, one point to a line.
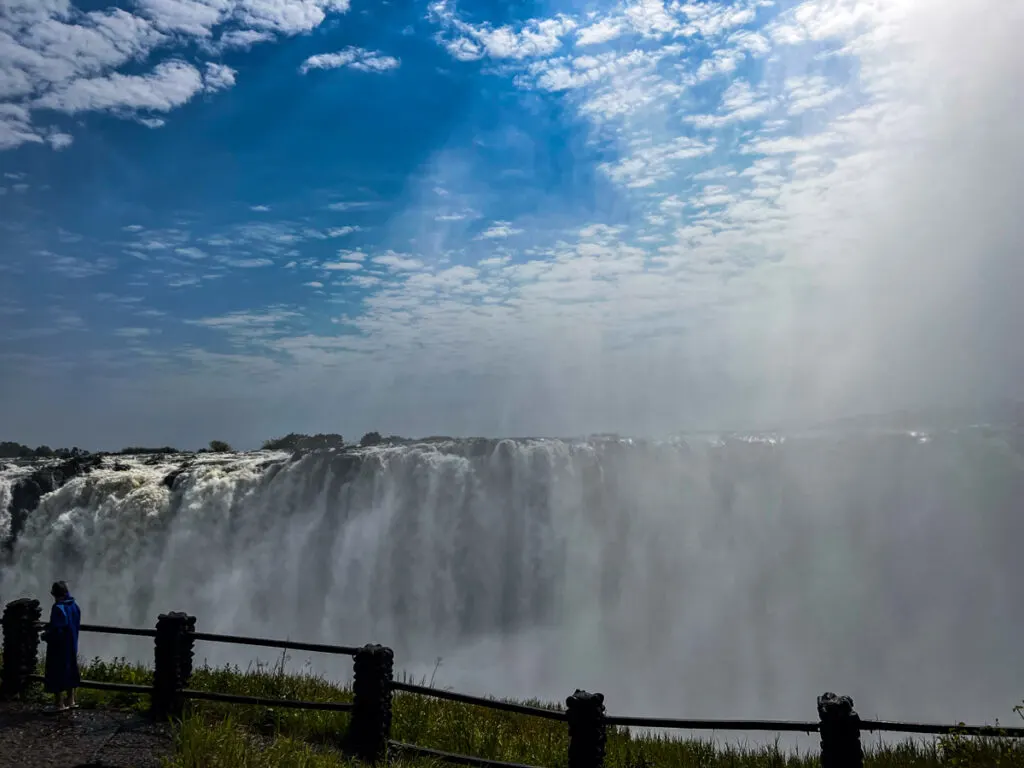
133 333
739 103
59 140
648 162
248 322
218 77
352 57
364 281
470 42
807 92
348 260
314 284
259 208
722 62
651 18
397 262
342 231
456 216
16 127
62 47
500 230
191 17
55 56
248 263
241 39
287 16
603 31
75 267
354 205
169 85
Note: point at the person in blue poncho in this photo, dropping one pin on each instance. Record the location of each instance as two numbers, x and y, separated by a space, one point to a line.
61 636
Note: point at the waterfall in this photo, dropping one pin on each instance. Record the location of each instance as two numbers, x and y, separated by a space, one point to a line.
710 578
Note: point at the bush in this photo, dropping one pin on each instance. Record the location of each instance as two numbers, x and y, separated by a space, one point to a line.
371 438
299 442
219 446
12 450
287 443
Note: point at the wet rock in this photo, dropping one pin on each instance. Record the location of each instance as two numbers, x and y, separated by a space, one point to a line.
27 492
172 477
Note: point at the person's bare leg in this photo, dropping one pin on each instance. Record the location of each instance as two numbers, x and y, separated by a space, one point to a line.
71 699
58 701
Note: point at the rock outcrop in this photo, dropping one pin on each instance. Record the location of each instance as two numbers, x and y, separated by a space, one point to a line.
26 492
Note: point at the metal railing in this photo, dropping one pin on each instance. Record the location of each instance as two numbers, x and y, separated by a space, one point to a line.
368 734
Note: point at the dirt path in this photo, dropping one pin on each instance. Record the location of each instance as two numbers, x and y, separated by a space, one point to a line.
31 738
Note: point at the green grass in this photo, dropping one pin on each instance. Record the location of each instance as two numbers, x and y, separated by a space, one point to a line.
237 736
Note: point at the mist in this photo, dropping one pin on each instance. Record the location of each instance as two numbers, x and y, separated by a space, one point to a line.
701 579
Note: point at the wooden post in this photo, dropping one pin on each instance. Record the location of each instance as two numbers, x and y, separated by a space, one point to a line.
21 646
172 668
839 728
369 729
587 729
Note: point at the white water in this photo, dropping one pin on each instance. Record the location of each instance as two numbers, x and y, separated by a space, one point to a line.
703 580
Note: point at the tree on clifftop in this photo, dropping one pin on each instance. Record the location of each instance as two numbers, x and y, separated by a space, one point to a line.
371 438
299 442
219 446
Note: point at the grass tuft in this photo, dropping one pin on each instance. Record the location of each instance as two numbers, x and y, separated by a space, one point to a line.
240 736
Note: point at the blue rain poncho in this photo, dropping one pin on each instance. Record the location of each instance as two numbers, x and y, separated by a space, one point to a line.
61 638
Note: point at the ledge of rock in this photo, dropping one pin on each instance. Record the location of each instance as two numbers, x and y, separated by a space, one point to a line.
26 492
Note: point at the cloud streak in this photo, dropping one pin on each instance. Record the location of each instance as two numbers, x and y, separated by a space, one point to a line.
352 57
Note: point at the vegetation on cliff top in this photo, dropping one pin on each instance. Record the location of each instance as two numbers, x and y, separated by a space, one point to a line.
294 441
230 735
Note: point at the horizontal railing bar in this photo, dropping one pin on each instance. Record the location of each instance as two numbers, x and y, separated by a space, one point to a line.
451 757
712 725
97 685
108 630
807 727
503 706
935 729
261 701
102 629
344 650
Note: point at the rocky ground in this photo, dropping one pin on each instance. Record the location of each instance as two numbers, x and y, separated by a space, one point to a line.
32 738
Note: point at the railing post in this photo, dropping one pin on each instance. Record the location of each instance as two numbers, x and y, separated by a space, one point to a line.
369 728
172 668
839 727
587 729
21 645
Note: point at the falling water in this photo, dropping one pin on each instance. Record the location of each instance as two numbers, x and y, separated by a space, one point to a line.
733 578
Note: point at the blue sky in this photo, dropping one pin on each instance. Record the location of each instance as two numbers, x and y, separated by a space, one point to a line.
243 217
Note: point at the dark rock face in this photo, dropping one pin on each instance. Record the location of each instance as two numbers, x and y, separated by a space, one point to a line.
172 477
27 492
